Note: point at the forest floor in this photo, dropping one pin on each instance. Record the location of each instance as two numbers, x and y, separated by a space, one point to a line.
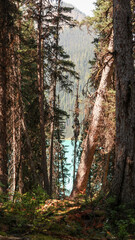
66 220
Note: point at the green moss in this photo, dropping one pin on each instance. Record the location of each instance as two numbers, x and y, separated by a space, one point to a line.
3 233
42 237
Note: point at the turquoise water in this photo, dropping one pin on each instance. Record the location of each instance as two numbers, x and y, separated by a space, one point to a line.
69 156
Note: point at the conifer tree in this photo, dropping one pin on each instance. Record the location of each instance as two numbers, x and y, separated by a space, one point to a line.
123 184
8 30
101 71
28 103
76 129
61 171
40 70
53 91
59 68
3 92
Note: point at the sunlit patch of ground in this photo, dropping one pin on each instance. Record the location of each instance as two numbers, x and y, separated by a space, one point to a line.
65 220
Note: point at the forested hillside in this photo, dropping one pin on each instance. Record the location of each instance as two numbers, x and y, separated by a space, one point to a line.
77 42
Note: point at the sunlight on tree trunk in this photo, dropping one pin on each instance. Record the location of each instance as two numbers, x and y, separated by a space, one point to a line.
89 144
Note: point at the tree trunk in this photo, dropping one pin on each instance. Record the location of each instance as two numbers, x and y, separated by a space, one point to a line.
89 145
53 98
14 151
123 185
3 93
41 98
52 106
19 76
76 127
74 161
104 183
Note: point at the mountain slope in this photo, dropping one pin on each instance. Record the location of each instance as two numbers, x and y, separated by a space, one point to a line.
78 44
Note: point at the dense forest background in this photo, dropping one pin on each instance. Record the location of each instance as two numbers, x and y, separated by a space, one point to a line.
77 42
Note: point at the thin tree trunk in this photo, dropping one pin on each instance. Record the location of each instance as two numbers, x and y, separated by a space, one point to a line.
76 129
15 118
41 98
19 160
14 154
74 163
104 183
3 93
53 101
20 181
63 178
90 142
52 133
123 185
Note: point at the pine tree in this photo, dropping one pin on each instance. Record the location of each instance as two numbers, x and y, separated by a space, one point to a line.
61 171
3 93
102 70
41 92
123 184
90 142
58 70
8 16
76 129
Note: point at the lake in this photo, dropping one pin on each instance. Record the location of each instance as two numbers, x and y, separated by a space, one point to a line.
69 156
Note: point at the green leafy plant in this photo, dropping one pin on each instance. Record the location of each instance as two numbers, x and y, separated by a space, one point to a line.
20 213
120 220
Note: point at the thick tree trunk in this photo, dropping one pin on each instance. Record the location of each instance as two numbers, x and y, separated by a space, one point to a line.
123 185
89 145
41 98
3 92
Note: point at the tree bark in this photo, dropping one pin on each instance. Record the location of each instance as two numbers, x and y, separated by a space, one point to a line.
41 97
104 183
89 145
53 99
76 127
3 93
123 185
14 151
52 106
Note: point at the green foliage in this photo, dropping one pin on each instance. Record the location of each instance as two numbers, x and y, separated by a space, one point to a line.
20 212
120 219
78 44
30 213
42 237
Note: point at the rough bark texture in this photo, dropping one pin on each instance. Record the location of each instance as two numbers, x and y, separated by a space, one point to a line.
92 135
124 180
53 99
41 97
3 90
76 128
104 182
52 129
